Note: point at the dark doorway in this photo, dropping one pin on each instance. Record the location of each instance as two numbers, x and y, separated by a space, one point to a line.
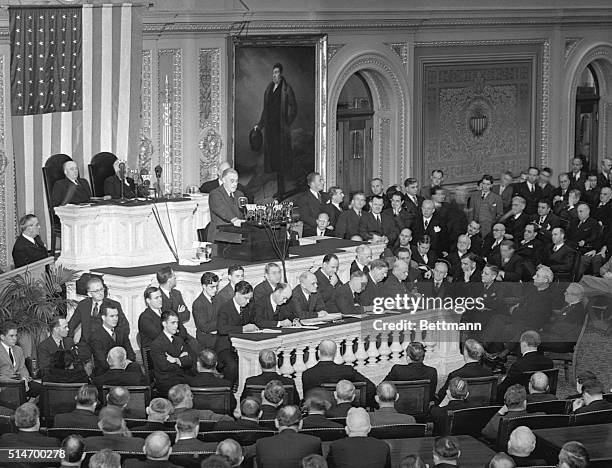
587 118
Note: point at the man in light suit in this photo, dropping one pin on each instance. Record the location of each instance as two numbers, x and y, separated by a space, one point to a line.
486 207
223 204
12 359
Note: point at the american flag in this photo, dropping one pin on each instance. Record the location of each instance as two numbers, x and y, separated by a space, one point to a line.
75 89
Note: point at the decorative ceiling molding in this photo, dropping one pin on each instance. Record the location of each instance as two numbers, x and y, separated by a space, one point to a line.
570 45
332 49
401 50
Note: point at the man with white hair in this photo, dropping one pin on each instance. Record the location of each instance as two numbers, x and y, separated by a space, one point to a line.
561 333
223 204
210 185
358 449
113 183
231 450
305 299
430 223
157 448
344 396
521 444
72 189
118 372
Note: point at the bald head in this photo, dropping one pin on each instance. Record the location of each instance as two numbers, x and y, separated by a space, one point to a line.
538 383
522 442
327 350
345 391
157 446
116 358
357 422
232 450
386 394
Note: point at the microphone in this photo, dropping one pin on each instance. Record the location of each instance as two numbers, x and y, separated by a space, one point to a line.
242 201
122 169
158 171
122 175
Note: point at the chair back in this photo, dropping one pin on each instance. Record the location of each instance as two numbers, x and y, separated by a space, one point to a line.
470 421
140 397
533 422
413 397
553 377
189 459
607 397
53 171
548 407
483 390
57 398
401 431
100 167
6 424
60 433
216 399
12 393
145 434
255 391
360 392
243 437
593 417
326 434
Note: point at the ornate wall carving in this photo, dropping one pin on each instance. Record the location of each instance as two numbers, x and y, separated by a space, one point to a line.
570 46
401 49
4 177
146 144
332 49
209 141
477 118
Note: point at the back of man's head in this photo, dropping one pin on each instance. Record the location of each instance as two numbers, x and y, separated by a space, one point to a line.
74 448
515 397
573 455
473 350
87 396
26 416
232 450
110 419
345 391
159 409
118 396
105 458
538 383
357 422
289 416
216 461
267 359
446 449
592 387
412 461
327 350
521 442
501 460
188 422
116 358
177 394
250 408
274 392
415 351
386 393
157 446
314 461
531 339
316 401
207 359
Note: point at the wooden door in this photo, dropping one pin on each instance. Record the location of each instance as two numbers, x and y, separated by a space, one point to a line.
354 153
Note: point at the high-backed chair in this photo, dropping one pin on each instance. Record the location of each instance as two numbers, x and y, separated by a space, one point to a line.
533 422
326 434
53 171
57 398
243 437
255 391
592 417
470 421
413 397
140 397
483 390
12 393
100 167
570 357
401 431
6 424
216 399
553 377
60 433
360 392
548 407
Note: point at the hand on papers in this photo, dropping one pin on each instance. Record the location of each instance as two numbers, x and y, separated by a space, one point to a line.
250 327
322 314
238 222
285 323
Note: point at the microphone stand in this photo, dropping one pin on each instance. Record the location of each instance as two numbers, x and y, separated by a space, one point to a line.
122 172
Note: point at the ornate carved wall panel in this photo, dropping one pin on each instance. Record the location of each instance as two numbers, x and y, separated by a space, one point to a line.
210 142
477 118
5 179
146 139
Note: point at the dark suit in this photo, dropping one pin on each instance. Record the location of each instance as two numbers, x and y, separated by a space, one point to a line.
150 326
267 317
413 209
476 244
101 343
429 289
435 229
318 420
370 292
326 290
533 253
82 316
112 187
345 301
263 289
402 220
516 226
286 449
547 224
469 369
602 180
76 418
420 261
439 416
513 268
588 231
540 397
333 212
547 192
597 405
303 308
532 198
114 442
26 252
339 410
47 349
309 208
368 226
27 439
222 210
168 374
561 335
506 195
205 321
173 302
359 451
603 213
120 377
265 377
222 297
347 224
330 372
229 321
65 192
134 463
561 262
392 287
531 361
150 426
490 250
415 371
577 180
193 445
238 425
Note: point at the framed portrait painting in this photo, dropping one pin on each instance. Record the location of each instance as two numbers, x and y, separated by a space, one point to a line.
279 112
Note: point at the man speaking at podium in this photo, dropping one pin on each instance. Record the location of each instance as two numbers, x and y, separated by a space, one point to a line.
223 204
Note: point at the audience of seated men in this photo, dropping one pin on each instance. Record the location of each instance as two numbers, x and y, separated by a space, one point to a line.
288 447
456 398
316 405
529 360
386 396
187 427
29 247
591 399
12 360
521 444
158 412
268 363
358 449
107 335
58 339
415 369
120 371
207 375
561 333
347 296
250 413
172 361
27 422
538 389
83 415
157 448
66 368
344 399
272 397
327 371
378 272
472 355
275 310
182 399
515 404
115 434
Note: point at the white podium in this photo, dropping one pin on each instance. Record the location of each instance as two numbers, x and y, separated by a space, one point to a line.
128 235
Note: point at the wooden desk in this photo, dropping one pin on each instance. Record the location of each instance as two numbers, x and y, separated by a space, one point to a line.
127 234
596 438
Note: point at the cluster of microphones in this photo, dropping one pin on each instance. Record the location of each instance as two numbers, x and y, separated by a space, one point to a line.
144 185
273 213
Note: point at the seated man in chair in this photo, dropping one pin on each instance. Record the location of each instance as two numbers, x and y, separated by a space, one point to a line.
113 184
72 189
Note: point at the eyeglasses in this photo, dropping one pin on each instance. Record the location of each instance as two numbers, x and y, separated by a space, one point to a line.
96 290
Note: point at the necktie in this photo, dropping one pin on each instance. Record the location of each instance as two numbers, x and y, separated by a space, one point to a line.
11 356
542 218
114 336
425 258
426 223
61 344
232 197
378 219
483 196
318 196
531 188
366 270
96 310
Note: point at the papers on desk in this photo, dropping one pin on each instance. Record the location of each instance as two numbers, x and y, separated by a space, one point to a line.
322 320
307 240
304 327
357 316
265 330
